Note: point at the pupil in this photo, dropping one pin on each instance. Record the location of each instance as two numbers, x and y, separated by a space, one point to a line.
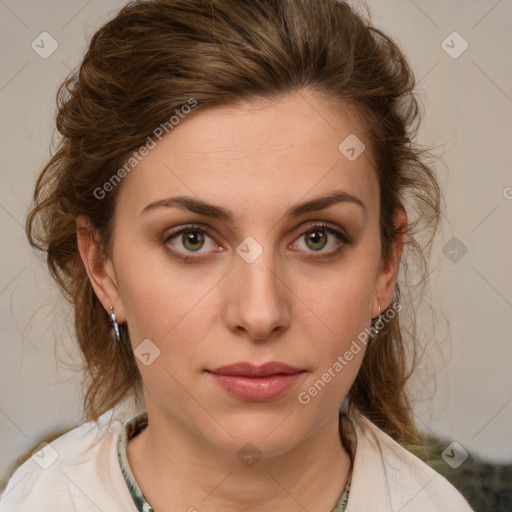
318 236
193 238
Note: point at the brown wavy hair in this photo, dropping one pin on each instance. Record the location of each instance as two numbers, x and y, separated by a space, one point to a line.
144 65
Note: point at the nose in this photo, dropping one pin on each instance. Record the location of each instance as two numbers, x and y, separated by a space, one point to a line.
257 298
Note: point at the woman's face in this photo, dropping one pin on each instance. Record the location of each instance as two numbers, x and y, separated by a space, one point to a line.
270 280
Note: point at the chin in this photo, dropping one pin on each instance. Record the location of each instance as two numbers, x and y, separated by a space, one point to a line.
268 434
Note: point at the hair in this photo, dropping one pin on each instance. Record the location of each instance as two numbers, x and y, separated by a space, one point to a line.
144 65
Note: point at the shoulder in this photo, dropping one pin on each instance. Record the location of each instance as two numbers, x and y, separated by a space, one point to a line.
387 477
77 471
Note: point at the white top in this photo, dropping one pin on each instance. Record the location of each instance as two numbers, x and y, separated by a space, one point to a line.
80 471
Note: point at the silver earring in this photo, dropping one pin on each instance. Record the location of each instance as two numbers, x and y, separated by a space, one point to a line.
115 325
376 320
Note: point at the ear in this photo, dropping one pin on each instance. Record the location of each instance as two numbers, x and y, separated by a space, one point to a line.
388 272
99 268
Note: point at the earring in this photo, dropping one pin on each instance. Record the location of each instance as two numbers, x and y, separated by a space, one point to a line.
115 325
376 320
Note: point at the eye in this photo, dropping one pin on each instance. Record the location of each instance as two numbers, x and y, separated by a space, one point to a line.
317 237
189 239
193 238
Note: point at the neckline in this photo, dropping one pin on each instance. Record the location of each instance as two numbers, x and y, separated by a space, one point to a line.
131 428
137 424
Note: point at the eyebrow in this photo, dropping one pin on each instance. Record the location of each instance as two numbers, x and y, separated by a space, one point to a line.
218 212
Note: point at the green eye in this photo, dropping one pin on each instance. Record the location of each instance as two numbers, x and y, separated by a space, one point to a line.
193 238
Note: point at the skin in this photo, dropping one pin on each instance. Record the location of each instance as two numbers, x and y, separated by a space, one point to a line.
256 159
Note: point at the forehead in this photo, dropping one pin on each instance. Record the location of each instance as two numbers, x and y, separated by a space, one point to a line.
258 152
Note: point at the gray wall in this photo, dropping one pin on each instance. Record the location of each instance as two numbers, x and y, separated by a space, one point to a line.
468 114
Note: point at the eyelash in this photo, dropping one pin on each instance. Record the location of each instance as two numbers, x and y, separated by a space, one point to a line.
345 240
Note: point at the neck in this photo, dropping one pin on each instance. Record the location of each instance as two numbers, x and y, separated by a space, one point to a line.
177 470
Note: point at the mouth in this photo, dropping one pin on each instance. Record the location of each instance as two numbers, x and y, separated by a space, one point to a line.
257 383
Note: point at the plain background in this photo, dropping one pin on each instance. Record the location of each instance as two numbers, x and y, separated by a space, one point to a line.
464 382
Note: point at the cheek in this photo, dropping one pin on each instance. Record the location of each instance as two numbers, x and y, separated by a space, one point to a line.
340 305
158 295
336 331
166 308
338 353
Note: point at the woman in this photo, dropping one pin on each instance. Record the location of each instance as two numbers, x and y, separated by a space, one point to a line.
227 211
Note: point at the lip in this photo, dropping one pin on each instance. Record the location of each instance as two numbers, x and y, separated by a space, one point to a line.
244 369
257 383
